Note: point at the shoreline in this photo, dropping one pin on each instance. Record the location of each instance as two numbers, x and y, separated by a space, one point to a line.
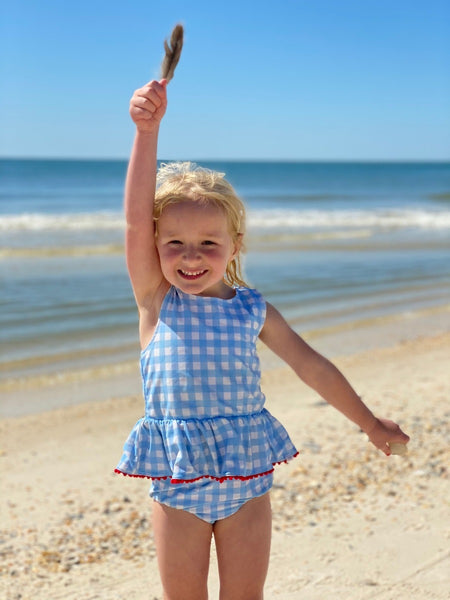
74 531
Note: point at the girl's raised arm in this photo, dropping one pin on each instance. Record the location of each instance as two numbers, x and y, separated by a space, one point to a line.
147 108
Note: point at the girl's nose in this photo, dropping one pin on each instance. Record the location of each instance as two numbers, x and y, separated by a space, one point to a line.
191 253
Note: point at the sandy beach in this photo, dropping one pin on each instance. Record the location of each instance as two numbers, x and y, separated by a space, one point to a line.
347 521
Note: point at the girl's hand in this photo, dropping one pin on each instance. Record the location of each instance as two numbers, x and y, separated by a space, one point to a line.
148 105
385 431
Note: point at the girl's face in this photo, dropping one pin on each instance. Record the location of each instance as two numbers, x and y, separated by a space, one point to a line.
195 246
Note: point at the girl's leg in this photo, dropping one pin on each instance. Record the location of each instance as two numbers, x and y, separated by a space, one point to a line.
243 548
183 544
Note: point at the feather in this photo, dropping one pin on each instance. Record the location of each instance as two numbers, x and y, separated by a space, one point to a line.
173 52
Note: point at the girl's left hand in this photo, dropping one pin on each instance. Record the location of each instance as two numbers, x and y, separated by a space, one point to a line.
384 432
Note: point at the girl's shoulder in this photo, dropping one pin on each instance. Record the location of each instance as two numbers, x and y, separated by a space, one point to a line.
253 301
251 290
252 294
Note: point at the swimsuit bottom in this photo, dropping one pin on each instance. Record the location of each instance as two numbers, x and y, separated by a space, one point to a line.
209 499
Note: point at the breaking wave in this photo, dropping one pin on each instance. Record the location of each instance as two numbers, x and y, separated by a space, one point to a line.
259 219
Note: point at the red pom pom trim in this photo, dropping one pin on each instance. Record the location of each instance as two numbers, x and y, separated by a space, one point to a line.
219 479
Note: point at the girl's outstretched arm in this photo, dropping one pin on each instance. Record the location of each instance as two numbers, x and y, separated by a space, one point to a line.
147 108
321 375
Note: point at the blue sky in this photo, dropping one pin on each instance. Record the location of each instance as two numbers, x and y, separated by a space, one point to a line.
293 79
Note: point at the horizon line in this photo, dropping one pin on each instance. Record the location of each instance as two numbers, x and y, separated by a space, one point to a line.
231 160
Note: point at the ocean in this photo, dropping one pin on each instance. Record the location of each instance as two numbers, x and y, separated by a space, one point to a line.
329 244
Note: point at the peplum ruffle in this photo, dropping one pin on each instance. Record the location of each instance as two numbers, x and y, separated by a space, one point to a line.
186 450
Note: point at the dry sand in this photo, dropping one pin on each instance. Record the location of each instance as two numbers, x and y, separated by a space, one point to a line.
348 522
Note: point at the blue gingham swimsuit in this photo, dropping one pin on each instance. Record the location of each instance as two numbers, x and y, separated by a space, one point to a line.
206 440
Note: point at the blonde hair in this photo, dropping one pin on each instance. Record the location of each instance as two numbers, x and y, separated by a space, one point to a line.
181 181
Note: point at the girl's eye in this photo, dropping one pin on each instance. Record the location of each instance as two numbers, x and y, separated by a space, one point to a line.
208 243
175 242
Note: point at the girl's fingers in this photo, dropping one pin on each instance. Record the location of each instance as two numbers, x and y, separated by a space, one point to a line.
386 450
140 113
148 105
394 431
400 438
153 91
380 444
143 103
149 96
148 102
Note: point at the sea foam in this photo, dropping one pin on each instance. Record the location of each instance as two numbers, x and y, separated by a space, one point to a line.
259 219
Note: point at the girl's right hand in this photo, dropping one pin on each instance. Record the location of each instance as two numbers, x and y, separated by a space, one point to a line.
148 105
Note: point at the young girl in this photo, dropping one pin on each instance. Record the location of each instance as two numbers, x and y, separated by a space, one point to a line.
206 440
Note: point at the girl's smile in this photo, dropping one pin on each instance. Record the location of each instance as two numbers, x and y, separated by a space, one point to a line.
191 275
195 246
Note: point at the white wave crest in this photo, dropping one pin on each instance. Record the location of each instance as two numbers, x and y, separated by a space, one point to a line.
401 218
257 219
62 222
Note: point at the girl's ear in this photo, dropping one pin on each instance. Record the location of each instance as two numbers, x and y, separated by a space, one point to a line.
237 245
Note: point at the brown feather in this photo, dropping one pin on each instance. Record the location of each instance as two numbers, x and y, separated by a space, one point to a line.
173 52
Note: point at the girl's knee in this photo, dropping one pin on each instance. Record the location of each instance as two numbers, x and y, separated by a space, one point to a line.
238 587
186 594
234 593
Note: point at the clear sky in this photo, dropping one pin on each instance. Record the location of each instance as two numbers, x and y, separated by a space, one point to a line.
285 79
